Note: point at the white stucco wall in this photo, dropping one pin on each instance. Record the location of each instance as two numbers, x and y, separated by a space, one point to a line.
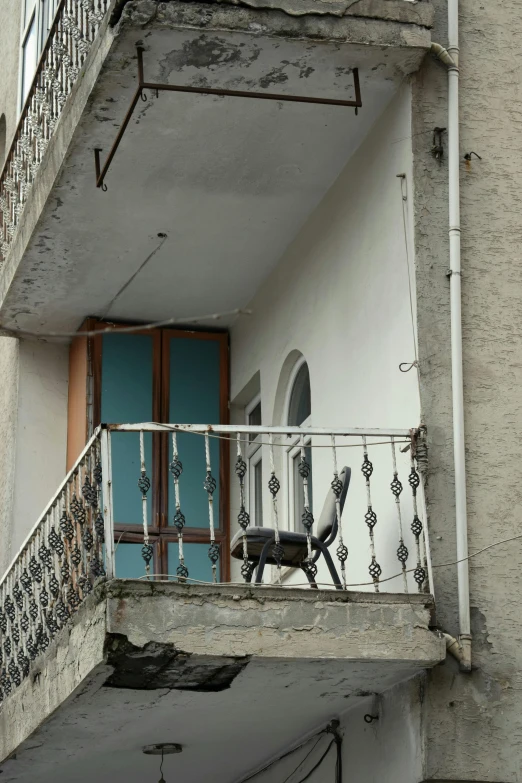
387 750
41 433
340 297
8 419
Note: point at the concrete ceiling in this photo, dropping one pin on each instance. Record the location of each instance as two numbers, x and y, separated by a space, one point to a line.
230 181
270 706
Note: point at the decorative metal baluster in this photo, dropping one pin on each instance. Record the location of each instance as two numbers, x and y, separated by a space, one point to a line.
11 609
85 539
416 526
144 486
47 560
210 487
3 636
396 488
80 519
308 565
27 601
67 528
41 597
370 517
176 468
90 499
20 634
243 518
56 544
337 488
274 486
96 563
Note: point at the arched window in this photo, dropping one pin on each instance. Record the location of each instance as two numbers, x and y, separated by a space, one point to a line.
300 402
298 412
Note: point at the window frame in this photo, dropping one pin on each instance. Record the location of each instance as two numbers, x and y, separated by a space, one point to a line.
254 456
160 532
293 449
42 31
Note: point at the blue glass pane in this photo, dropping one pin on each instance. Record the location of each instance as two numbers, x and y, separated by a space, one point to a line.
194 399
126 398
129 562
196 560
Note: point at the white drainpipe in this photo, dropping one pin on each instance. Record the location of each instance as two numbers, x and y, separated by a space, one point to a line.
450 58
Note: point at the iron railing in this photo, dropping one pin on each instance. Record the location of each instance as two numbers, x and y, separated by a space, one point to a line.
71 36
380 544
54 571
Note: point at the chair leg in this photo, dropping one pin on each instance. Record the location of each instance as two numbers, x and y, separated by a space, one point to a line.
262 560
309 576
331 566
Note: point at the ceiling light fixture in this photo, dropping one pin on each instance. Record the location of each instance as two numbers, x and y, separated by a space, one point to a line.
162 749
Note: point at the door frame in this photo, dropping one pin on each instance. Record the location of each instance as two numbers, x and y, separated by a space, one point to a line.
161 534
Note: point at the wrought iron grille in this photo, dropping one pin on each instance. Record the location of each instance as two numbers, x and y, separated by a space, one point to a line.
72 34
378 497
54 571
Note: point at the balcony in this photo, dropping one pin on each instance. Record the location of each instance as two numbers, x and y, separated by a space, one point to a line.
198 166
90 651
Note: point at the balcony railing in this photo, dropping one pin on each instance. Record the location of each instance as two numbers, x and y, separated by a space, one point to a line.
380 543
72 34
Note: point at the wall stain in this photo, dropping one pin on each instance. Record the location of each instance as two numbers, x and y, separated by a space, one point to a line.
206 52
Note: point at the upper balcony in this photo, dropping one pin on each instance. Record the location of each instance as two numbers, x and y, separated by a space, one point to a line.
267 124
72 625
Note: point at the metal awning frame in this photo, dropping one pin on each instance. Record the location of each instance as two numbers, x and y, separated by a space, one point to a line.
101 171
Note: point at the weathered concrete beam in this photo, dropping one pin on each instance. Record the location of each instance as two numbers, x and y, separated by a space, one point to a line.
74 664
374 27
271 622
145 635
418 13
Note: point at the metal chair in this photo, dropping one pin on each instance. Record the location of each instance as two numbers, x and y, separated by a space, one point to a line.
261 540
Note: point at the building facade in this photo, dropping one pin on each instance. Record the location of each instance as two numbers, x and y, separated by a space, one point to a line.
234 327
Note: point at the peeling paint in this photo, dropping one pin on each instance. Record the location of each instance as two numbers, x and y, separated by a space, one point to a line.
156 666
205 52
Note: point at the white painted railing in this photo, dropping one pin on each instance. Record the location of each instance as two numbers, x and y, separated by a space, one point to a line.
380 532
71 36
54 571
367 532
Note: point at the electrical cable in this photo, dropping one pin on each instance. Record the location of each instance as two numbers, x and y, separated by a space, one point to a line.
6 331
359 584
318 763
283 756
318 740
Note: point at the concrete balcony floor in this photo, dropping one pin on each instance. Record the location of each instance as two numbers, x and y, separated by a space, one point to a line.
234 674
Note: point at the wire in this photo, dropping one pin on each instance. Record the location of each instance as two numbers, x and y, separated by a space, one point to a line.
318 740
283 756
134 276
246 441
358 584
318 764
6 331
404 202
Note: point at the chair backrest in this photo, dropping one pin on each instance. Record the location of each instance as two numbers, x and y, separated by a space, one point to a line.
328 519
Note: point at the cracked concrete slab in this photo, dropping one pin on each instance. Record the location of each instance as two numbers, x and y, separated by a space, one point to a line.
132 637
419 12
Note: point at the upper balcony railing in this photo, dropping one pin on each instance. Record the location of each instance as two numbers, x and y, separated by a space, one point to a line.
353 492
71 36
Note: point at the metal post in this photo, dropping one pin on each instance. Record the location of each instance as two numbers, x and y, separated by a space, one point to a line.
106 462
